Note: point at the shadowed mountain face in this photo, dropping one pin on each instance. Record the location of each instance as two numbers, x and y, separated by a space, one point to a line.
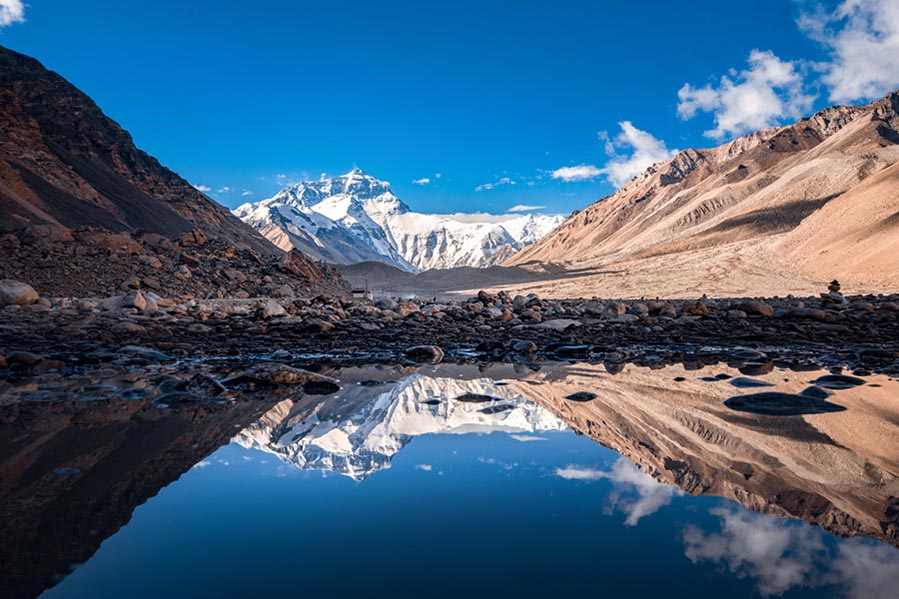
65 164
774 212
71 474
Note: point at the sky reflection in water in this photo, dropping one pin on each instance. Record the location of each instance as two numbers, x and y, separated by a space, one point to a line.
376 493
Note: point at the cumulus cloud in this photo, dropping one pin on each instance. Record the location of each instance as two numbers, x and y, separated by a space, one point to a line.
862 37
637 494
495 184
524 208
777 554
581 172
203 188
11 11
438 175
422 181
768 90
640 149
865 568
780 554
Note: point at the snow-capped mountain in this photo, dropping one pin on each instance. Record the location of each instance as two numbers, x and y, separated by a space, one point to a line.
361 432
356 218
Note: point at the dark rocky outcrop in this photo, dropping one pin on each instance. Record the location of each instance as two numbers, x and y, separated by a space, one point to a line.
65 165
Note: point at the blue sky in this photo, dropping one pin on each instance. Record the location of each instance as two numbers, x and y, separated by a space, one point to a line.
512 103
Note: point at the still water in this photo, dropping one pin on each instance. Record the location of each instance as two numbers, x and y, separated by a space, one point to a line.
455 481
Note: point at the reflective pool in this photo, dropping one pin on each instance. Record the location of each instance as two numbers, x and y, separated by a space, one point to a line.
461 481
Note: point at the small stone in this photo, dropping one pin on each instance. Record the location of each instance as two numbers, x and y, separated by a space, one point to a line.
404 309
320 387
524 347
136 300
203 384
272 309
131 283
23 357
425 354
695 309
614 309
127 327
275 374
316 325
834 298
235 276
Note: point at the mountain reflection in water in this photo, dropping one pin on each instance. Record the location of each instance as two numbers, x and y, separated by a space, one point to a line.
452 464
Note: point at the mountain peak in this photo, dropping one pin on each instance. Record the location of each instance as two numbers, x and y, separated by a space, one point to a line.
355 218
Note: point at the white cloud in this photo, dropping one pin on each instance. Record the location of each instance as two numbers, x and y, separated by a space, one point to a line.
637 494
247 193
863 39
524 208
865 569
425 467
768 90
582 172
495 184
438 175
578 473
777 555
422 181
225 189
203 188
528 438
11 11
643 150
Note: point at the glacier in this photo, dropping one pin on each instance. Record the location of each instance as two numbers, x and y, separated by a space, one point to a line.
356 218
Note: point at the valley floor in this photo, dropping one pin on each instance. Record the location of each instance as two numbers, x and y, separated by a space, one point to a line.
59 336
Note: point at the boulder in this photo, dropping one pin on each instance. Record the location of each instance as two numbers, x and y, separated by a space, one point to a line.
755 307
16 293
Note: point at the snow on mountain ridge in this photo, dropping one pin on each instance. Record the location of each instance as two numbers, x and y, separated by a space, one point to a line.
377 225
385 420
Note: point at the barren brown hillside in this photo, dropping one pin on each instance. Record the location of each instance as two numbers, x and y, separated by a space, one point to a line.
774 212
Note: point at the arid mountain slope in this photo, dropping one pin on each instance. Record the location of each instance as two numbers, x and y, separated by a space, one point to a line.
86 213
837 470
65 164
777 211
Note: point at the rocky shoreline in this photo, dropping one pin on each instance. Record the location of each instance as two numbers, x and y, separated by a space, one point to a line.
227 338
